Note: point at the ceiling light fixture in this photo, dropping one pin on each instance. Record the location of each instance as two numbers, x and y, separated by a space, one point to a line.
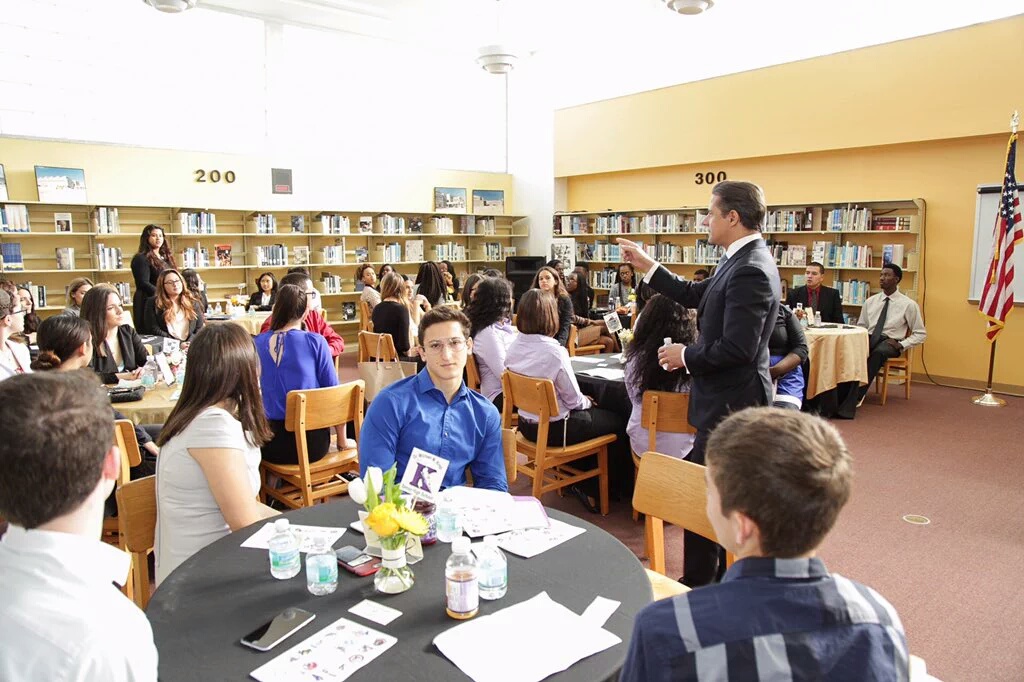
498 58
689 6
171 6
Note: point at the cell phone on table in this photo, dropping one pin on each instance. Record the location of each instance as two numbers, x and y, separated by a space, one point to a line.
273 632
355 561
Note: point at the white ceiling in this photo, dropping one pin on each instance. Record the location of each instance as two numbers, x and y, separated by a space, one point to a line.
597 49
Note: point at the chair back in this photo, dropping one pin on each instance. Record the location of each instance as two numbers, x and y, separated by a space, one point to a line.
472 373
508 443
136 509
321 408
530 394
377 346
128 445
665 411
573 342
365 319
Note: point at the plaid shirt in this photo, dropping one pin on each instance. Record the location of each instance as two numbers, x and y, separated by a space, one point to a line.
770 619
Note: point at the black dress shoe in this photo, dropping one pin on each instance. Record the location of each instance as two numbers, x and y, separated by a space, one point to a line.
584 499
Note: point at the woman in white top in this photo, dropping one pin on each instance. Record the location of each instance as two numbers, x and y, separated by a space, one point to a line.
14 356
173 312
492 332
207 475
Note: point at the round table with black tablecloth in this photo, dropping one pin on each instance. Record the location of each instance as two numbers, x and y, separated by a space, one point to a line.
609 393
208 603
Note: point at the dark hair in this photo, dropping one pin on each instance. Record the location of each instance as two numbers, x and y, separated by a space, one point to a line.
703 271
467 290
493 272
493 304
896 270
618 273
746 198
31 319
455 279
166 255
381 273
94 311
431 283
191 278
792 484
361 268
663 318
222 365
297 269
297 279
537 313
186 303
554 263
289 306
56 431
273 280
58 339
581 297
439 315
559 288
821 268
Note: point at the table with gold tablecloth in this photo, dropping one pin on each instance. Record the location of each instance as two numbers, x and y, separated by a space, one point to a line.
835 355
154 408
250 323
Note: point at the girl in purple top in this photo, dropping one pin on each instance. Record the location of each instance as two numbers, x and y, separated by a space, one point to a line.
492 332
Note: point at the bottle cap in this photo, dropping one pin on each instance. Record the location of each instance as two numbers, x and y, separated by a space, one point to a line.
281 525
460 545
667 340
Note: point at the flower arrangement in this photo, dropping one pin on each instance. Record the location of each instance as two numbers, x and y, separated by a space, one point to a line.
388 517
625 337
177 359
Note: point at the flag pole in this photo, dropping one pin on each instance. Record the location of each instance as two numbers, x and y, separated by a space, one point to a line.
986 399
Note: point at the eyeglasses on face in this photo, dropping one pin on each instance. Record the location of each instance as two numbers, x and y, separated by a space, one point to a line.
455 344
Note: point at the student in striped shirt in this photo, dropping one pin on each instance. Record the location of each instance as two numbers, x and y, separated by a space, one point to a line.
777 480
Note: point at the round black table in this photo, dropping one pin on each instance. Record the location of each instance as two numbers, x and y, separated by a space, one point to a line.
609 393
208 603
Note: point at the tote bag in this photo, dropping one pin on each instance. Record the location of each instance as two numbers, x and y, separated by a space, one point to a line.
380 374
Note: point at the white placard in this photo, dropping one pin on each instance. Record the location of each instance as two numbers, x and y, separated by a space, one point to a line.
613 321
165 369
533 541
307 536
424 474
382 615
170 345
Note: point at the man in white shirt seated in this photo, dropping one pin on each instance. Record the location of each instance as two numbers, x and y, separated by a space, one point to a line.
893 322
61 616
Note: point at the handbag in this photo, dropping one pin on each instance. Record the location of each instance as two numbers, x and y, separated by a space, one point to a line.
379 374
126 395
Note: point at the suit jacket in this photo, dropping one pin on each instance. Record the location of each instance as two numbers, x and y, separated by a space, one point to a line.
736 312
153 321
256 301
830 303
132 351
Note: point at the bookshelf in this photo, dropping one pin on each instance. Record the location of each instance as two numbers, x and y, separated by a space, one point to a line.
257 241
850 238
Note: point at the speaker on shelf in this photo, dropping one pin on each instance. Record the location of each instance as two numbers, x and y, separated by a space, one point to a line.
520 271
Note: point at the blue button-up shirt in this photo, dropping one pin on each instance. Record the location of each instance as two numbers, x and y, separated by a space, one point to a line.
414 413
770 619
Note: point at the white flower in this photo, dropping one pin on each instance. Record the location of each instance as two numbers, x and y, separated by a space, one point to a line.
357 491
175 358
375 476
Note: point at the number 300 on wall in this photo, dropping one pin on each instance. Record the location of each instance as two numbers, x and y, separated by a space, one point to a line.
709 178
214 176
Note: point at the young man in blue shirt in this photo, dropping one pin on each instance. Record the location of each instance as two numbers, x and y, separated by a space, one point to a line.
434 411
777 480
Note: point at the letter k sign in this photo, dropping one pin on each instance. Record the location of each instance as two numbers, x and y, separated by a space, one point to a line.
424 474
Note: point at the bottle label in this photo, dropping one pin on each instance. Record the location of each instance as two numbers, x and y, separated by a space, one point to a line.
284 559
495 578
463 596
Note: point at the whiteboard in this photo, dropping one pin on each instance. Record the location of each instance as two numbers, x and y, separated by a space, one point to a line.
984 231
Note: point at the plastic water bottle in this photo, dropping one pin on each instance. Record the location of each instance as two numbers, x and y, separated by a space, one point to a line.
462 589
285 561
150 372
667 341
493 569
817 318
321 569
448 523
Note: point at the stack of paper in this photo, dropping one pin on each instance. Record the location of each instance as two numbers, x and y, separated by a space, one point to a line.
307 536
530 542
489 512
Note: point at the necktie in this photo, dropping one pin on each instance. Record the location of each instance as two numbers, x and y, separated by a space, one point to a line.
876 334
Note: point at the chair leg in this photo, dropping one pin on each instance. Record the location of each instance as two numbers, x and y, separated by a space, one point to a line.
602 465
538 482
636 471
655 536
906 385
885 383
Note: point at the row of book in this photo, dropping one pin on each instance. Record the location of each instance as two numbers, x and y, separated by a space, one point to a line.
14 218
197 222
263 223
107 258
854 292
105 220
11 259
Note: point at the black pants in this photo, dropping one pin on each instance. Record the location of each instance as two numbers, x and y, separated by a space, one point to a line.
703 559
881 352
281 448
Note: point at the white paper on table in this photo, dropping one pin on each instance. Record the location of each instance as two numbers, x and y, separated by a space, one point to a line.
606 373
560 639
334 653
600 610
378 613
483 512
531 542
588 360
528 512
307 536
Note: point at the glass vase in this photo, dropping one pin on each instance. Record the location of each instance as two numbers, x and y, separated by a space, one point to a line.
394 575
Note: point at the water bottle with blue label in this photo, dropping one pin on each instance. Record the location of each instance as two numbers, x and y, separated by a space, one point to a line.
493 569
321 569
285 561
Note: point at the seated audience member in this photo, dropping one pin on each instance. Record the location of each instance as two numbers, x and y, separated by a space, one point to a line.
548 279
624 289
817 296
117 349
430 284
700 275
61 617
292 360
587 331
385 269
266 293
451 280
467 291
892 320
197 287
172 313
493 272
14 356
787 350
28 304
492 331
314 321
395 313
366 275
778 613
435 412
208 471
77 289
664 319
536 353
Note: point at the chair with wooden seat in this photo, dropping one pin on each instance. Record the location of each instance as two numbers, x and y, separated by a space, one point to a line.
365 320
136 507
472 374
131 456
664 411
896 368
673 490
574 347
550 467
376 346
307 483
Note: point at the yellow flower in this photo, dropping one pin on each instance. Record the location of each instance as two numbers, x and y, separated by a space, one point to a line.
411 521
382 520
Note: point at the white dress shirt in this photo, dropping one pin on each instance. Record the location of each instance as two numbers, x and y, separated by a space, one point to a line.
490 347
903 321
62 618
535 355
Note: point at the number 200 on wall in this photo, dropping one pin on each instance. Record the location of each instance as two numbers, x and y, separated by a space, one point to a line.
214 176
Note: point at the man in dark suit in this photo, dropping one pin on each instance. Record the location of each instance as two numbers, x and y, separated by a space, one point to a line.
736 311
817 296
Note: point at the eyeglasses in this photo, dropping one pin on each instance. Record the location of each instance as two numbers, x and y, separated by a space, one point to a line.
173 282
456 345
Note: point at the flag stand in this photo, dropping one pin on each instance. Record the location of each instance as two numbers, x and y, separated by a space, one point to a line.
986 399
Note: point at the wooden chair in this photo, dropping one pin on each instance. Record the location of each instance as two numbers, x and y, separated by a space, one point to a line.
674 490
575 349
508 444
472 374
306 483
663 411
371 344
896 368
365 320
548 466
128 445
136 507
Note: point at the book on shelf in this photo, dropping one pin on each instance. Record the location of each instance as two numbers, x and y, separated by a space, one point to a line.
416 225
262 223
38 293
584 251
298 223
195 257
123 290
449 251
348 311
387 253
63 222
300 255
486 226
854 292
65 257
108 257
223 252
850 219
440 225
892 223
334 224
492 251
388 224
197 222
892 253
105 220
271 255
571 224
414 251
11 258
365 224
511 252
330 284
334 254
604 278
14 218
467 224
362 254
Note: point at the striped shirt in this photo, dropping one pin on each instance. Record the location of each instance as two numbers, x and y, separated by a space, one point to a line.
770 619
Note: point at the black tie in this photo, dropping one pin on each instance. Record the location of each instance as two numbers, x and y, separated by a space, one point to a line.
876 335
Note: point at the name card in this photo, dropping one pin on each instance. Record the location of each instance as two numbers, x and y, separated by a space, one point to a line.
613 321
423 475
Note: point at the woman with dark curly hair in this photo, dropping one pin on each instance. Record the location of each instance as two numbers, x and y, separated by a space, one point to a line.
490 319
467 291
430 284
154 255
663 318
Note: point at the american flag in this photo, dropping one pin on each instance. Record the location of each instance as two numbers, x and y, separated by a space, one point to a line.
997 299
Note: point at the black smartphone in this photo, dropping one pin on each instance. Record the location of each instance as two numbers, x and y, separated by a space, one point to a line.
355 561
273 632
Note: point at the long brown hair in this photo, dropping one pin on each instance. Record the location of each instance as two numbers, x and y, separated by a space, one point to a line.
222 365
559 289
290 305
94 311
185 301
58 338
165 249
